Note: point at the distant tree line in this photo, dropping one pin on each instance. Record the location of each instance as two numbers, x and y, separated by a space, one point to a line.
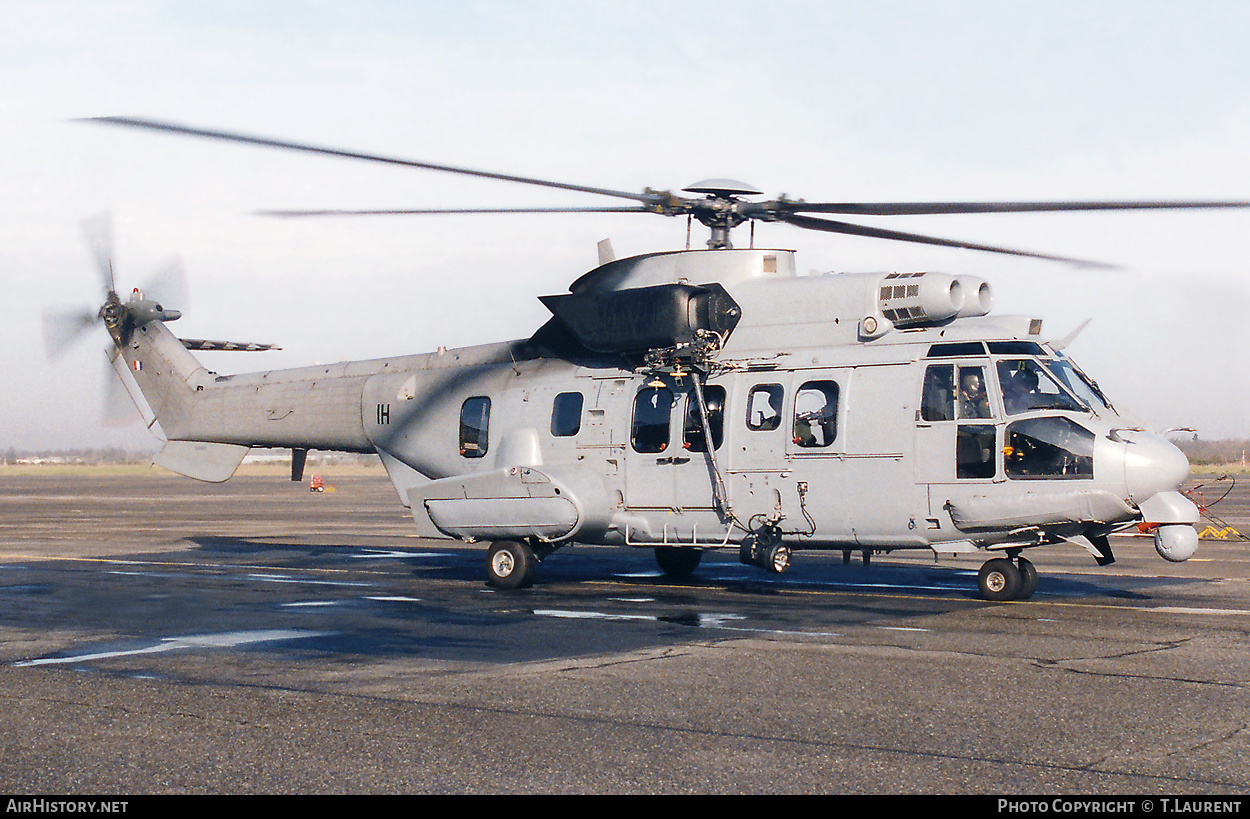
1214 452
106 455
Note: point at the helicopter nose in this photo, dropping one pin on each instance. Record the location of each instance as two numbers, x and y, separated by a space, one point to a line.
1152 464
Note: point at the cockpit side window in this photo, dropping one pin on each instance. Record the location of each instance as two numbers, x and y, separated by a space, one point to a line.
974 451
1027 386
938 401
1048 448
974 398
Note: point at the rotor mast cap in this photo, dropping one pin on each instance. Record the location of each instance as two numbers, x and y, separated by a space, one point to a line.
722 187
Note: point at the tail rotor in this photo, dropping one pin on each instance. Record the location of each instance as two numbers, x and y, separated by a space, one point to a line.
65 328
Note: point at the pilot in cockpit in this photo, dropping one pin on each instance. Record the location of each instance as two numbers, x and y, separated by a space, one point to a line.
973 401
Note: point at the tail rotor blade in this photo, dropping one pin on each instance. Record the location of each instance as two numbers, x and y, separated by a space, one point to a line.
169 285
64 328
99 233
123 403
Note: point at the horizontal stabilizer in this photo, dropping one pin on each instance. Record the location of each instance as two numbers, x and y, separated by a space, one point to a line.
204 462
239 346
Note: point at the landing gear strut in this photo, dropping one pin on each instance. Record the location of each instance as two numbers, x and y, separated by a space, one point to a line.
1001 579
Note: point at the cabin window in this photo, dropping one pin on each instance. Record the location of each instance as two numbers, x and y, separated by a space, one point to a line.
975 452
1048 448
764 407
566 414
474 425
816 414
693 437
652 411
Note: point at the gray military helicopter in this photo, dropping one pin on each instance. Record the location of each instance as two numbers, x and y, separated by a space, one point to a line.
690 400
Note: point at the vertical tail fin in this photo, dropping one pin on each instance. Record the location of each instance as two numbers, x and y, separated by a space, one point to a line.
168 376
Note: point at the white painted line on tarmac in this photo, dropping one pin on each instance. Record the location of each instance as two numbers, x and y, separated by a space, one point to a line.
715 621
229 639
1195 610
378 554
591 615
286 578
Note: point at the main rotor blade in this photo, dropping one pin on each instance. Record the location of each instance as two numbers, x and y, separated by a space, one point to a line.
153 125
831 226
425 211
922 208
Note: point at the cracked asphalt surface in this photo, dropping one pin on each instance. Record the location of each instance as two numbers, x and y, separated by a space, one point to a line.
159 635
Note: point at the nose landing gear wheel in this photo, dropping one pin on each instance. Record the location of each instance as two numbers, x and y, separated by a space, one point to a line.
765 550
510 564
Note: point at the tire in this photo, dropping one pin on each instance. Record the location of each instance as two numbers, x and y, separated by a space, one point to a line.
678 562
510 564
765 551
1028 579
999 580
779 558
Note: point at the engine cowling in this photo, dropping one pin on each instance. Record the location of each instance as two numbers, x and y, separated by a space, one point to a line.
909 299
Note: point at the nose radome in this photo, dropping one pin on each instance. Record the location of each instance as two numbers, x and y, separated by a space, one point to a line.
1152 464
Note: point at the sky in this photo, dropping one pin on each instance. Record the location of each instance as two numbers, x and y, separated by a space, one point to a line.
826 101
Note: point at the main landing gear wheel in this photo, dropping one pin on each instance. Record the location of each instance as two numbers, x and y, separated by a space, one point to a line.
678 562
999 580
510 564
1028 579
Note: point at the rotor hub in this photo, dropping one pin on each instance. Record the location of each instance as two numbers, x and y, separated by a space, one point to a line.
723 188
721 211
112 312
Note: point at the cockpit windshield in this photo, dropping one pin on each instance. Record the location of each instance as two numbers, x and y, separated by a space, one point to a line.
1026 386
1080 384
